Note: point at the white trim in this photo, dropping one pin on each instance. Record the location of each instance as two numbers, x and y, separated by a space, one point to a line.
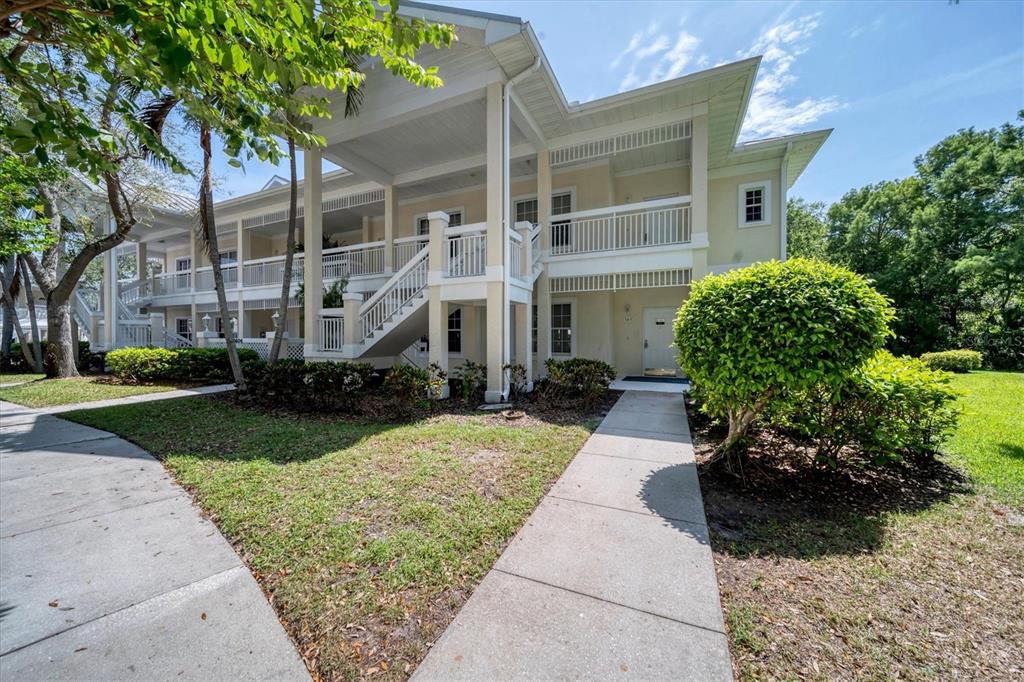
766 198
572 326
668 165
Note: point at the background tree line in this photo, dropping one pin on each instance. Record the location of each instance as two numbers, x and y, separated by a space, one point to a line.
945 244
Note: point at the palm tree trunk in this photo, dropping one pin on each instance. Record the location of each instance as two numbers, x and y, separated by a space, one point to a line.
208 231
289 258
37 349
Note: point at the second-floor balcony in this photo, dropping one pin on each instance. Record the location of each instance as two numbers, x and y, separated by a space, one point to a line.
595 233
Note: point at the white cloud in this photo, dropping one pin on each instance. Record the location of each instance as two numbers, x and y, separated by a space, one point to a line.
771 112
655 61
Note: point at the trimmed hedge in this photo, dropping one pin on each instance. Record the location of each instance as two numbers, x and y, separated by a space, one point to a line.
16 361
134 365
578 380
315 386
888 409
959 361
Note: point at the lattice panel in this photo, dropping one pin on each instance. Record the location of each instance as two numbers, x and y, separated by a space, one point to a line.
609 146
614 281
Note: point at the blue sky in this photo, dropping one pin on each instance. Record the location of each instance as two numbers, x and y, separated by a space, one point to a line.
891 78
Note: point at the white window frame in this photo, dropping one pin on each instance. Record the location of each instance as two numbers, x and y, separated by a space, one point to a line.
766 210
462 331
232 261
461 210
572 327
180 259
188 326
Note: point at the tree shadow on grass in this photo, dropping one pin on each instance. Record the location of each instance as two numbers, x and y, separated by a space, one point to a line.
786 505
1011 450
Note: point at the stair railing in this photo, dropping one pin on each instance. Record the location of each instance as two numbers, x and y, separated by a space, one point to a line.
405 285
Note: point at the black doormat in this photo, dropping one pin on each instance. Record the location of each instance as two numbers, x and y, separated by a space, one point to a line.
658 380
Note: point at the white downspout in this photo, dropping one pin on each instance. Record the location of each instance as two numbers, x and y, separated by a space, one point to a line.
783 177
506 209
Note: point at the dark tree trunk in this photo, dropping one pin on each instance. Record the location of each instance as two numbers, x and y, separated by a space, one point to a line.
60 346
289 258
26 283
7 331
11 312
209 234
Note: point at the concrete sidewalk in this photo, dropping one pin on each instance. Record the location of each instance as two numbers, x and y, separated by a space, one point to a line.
109 572
12 412
612 575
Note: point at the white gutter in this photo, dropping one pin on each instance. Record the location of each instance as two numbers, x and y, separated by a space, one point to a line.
783 182
506 207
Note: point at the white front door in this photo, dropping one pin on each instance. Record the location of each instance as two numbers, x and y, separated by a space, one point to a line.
659 351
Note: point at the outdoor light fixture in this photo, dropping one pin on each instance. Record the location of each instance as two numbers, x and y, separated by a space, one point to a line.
206 322
629 312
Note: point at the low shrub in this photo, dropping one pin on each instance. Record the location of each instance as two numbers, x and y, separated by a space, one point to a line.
406 388
959 361
578 380
888 409
15 361
315 386
134 365
516 375
472 381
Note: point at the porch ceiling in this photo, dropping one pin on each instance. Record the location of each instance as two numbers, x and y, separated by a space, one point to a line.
434 138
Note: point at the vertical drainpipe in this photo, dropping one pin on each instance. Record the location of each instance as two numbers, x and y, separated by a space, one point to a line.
506 209
783 227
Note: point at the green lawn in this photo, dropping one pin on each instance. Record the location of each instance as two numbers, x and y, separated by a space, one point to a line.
6 378
367 536
51 392
989 442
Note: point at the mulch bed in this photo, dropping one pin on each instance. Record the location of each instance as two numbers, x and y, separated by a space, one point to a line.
899 571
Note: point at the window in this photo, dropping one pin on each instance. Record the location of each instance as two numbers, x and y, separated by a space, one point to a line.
526 210
561 328
183 326
423 223
454 218
228 258
755 204
422 226
183 264
455 331
533 329
560 205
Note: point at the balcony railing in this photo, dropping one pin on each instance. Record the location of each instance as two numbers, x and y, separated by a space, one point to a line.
407 247
270 271
353 261
332 332
515 245
630 226
465 253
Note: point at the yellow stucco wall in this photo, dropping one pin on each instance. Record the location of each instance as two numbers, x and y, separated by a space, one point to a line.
730 243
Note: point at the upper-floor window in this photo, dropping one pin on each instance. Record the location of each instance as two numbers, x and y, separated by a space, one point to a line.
560 233
755 204
423 223
228 258
526 210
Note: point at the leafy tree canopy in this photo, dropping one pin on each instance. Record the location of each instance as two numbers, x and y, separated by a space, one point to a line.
23 225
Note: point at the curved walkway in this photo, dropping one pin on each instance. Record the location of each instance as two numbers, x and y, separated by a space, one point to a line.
107 570
611 576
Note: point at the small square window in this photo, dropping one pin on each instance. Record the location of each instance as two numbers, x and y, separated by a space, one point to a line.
422 226
755 204
455 219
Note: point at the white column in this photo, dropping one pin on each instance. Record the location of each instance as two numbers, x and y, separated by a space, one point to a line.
390 226
366 229
312 238
437 309
352 302
157 324
140 260
497 302
699 189
542 287
240 253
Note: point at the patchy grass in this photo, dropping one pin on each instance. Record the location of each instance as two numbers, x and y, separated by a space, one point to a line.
989 442
14 378
367 537
51 392
907 572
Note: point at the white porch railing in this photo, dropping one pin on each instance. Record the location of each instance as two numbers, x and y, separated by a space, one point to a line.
269 271
133 333
629 226
389 300
407 247
173 339
332 332
134 293
353 261
204 277
171 283
515 245
465 253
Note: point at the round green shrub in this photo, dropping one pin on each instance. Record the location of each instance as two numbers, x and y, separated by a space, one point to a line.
754 334
887 409
953 360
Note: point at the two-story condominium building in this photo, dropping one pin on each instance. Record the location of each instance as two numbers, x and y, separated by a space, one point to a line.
489 220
